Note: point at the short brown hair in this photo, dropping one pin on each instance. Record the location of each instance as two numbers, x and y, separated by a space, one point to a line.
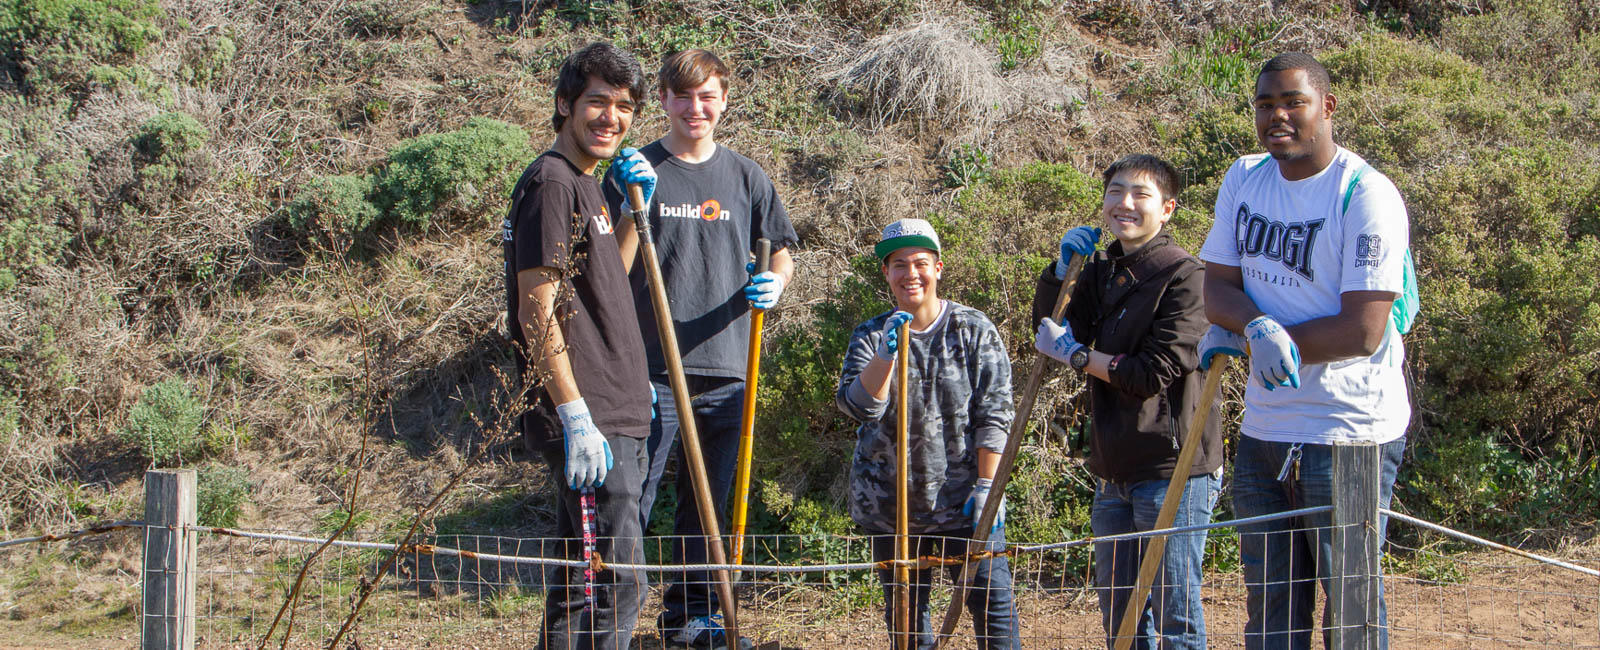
684 70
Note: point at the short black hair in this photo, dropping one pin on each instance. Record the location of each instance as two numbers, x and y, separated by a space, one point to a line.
1165 175
601 60
1315 73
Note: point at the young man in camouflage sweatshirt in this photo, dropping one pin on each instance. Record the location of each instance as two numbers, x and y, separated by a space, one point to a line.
959 400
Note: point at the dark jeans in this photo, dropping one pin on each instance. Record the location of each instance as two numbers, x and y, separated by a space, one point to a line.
1173 607
609 625
1284 559
718 404
994 615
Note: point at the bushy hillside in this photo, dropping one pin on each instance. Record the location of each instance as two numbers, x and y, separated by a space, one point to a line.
241 236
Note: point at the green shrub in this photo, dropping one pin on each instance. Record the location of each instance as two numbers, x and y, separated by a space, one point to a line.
1469 481
462 173
169 137
221 493
41 186
206 59
170 160
337 203
1221 67
55 42
968 165
165 422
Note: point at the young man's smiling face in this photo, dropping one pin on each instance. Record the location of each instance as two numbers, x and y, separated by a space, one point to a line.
693 113
913 275
1134 208
597 120
1294 122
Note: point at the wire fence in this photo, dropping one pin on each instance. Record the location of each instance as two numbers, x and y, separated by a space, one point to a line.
805 591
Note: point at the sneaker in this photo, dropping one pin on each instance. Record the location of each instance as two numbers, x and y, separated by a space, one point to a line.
704 633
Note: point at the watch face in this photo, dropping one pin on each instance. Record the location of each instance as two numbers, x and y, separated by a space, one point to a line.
1080 358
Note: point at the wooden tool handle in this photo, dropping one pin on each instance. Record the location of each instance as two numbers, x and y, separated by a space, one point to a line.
1169 506
1002 474
902 554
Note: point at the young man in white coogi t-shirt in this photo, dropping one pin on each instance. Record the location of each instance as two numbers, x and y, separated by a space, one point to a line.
1306 259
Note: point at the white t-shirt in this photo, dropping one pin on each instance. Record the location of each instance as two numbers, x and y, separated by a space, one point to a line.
1299 244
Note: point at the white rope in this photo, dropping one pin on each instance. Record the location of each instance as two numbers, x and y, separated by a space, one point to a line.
1494 545
771 568
1173 531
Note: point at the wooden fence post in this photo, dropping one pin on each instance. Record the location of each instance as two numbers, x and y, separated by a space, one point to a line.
169 546
1357 574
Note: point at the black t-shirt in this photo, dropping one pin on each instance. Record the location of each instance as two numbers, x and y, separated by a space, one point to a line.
706 218
559 219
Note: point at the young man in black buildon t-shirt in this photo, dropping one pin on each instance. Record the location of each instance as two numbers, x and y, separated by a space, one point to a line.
712 206
572 317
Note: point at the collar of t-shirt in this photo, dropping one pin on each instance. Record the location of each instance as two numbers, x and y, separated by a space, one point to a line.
944 310
673 159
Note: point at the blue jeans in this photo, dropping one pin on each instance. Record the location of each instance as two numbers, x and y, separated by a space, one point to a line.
1285 559
1175 595
994 615
718 404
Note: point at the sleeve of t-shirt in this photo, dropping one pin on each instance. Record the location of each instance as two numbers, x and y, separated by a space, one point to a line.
769 219
1221 245
544 226
1376 235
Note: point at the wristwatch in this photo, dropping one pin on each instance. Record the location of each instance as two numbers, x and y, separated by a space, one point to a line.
1079 358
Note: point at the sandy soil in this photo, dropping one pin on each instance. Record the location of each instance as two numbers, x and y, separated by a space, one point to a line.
1502 602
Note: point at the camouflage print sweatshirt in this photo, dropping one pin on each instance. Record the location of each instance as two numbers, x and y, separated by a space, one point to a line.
960 400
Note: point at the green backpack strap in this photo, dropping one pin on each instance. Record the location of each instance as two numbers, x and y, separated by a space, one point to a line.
1408 303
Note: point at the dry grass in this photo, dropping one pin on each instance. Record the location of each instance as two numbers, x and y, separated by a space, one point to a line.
932 72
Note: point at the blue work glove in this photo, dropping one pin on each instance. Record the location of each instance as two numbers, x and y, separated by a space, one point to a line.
588 453
1080 240
980 496
1055 341
889 345
633 168
654 400
1220 341
764 287
1274 358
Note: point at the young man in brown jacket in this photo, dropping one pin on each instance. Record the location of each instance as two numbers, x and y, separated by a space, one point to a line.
1133 326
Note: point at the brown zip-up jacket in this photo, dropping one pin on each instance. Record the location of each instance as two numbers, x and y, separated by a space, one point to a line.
1145 309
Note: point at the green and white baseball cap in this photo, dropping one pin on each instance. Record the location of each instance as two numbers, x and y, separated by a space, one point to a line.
906 233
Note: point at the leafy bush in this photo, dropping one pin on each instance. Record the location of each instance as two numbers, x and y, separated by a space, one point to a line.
40 186
165 422
56 42
171 160
968 165
221 493
206 59
457 174
338 203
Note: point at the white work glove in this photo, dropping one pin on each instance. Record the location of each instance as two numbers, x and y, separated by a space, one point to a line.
588 453
764 288
1274 358
1055 340
1220 341
889 345
975 503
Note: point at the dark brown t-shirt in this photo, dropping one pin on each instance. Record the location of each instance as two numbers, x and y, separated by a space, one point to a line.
558 219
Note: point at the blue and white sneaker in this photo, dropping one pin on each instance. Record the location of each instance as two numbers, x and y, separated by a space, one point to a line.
703 633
